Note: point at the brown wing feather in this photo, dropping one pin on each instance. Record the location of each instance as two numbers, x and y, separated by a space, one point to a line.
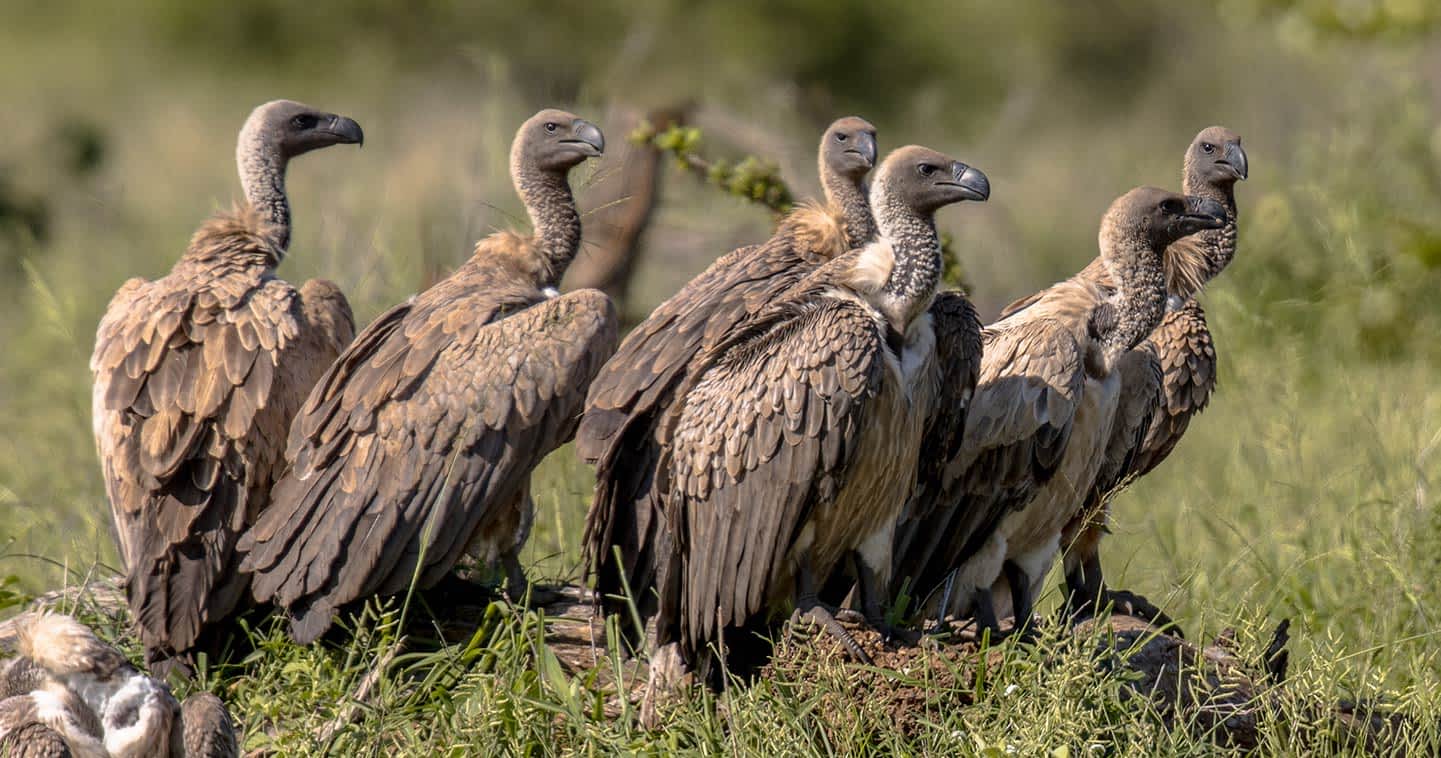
629 398
196 378
1139 398
1017 427
765 435
425 427
1188 369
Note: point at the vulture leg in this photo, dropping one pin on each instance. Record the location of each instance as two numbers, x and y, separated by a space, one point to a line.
1087 595
518 589
870 588
810 609
667 677
1022 601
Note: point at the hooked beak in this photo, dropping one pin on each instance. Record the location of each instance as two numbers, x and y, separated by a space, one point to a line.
1203 213
345 130
588 136
865 148
1235 160
973 184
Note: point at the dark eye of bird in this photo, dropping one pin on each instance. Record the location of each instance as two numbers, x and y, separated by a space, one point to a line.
840 138
303 121
1208 148
550 127
1172 207
926 169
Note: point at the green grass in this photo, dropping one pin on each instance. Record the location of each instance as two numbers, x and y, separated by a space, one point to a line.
1307 491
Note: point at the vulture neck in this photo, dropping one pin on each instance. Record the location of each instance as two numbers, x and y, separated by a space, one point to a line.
1218 245
554 217
1140 295
847 195
262 177
916 272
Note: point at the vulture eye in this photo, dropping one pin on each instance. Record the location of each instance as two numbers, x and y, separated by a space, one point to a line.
841 137
1173 207
551 127
1208 148
926 169
303 121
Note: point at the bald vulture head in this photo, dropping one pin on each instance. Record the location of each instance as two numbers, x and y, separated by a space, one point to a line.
555 141
286 129
924 181
1215 158
848 147
1150 218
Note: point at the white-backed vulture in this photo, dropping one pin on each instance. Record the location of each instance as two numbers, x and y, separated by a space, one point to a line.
630 396
1214 162
197 376
92 702
1041 414
417 445
794 444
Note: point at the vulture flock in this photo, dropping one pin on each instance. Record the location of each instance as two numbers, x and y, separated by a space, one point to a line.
810 430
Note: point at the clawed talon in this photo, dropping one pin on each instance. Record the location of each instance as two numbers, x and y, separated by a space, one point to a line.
819 615
1131 604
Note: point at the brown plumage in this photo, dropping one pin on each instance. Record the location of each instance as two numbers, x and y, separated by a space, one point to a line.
197 376
1042 412
1182 343
794 444
635 388
204 728
417 445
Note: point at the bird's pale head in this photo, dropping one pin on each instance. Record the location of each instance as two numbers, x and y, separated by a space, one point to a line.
926 180
1157 217
848 147
1216 158
556 141
290 128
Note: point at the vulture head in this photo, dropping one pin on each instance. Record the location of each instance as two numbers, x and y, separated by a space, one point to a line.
1155 218
849 147
1216 158
926 180
556 141
288 129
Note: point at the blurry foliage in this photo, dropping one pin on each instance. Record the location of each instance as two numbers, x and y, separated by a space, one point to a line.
754 179
1366 19
1355 235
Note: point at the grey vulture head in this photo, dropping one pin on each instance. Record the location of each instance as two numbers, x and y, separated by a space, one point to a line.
288 129
848 147
556 141
926 180
1157 217
1216 158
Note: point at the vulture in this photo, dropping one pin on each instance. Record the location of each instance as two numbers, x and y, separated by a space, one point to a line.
1045 404
197 377
628 399
1182 343
793 443
418 443
69 694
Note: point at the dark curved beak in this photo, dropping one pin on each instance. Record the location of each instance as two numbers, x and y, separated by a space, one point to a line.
345 130
1235 159
1203 213
587 134
865 148
973 184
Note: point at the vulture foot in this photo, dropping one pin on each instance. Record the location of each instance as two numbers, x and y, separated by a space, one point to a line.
818 615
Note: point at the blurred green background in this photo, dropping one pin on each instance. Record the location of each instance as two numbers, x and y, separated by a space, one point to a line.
1304 491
